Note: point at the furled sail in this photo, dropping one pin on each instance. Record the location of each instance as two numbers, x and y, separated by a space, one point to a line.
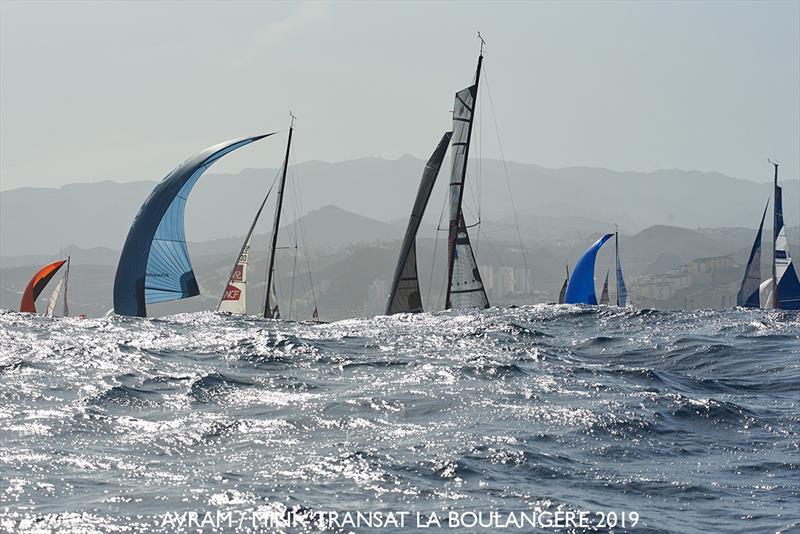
749 291
234 297
788 286
604 293
405 295
465 287
580 289
622 290
154 265
37 285
563 291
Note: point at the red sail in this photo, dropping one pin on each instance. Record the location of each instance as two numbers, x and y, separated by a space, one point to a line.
37 284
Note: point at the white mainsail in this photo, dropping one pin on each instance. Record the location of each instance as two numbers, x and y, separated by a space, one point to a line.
53 300
234 298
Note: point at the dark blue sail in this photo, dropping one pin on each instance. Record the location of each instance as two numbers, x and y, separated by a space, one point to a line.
580 289
154 265
788 297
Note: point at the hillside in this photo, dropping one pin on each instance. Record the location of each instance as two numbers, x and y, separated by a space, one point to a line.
550 202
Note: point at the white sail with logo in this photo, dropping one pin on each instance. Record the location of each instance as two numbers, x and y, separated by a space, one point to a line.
234 297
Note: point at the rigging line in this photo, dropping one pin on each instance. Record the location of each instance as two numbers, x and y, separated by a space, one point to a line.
291 292
301 229
528 275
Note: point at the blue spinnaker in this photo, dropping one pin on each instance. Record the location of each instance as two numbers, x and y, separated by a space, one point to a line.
154 265
580 289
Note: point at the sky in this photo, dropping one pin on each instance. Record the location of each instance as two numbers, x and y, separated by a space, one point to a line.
93 91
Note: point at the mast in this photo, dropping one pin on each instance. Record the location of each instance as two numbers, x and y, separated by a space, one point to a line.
616 258
776 301
66 282
458 217
268 309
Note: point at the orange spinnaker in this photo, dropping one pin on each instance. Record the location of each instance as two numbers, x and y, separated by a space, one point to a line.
37 284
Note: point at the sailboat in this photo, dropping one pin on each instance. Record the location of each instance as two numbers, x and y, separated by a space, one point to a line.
464 285
580 288
52 302
782 289
234 297
154 265
37 285
563 291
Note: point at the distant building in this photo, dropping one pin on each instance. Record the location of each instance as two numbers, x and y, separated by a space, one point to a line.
703 275
504 285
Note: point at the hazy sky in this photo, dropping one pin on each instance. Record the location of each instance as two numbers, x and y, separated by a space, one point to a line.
124 91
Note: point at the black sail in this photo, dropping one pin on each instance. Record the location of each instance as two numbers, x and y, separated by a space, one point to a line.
405 296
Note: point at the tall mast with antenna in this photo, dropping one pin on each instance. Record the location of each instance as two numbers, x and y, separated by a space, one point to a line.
66 282
776 301
616 259
456 214
271 310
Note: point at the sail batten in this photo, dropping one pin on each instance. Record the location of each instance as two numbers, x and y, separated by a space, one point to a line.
405 295
154 265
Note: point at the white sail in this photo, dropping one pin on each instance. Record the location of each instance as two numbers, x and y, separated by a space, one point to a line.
765 293
66 283
234 298
51 303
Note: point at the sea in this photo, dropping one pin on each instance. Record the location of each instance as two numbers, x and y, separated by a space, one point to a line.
531 419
